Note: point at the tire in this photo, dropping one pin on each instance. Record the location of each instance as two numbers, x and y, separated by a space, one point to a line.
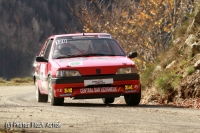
132 99
108 100
53 100
40 97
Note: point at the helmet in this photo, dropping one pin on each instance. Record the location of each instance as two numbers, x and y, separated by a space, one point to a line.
97 45
64 49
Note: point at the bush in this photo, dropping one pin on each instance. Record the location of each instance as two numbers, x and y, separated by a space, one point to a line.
176 81
182 30
146 76
2 80
22 80
163 82
190 70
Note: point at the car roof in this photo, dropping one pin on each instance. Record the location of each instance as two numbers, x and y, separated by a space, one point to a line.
79 34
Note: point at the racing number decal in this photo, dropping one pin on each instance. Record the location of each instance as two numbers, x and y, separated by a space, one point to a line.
128 87
61 41
68 90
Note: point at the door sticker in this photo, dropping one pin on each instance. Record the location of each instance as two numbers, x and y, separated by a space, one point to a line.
42 71
75 63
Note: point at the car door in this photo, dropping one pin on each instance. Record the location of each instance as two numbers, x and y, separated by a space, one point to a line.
43 67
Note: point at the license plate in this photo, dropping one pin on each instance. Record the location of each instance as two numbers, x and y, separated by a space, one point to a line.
128 87
98 81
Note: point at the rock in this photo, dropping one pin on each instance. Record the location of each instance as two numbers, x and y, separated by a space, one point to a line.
190 26
197 65
176 40
170 65
197 18
158 68
153 97
198 71
190 40
195 48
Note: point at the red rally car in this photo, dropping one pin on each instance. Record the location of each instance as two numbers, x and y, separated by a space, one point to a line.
85 66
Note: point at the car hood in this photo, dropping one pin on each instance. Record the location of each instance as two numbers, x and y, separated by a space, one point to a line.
93 61
88 65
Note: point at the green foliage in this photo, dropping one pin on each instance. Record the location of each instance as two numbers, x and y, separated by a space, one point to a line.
147 75
182 30
176 81
163 82
183 62
190 70
191 15
22 80
16 81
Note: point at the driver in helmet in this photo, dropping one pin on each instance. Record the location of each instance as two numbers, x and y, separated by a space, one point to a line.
65 50
99 47
62 50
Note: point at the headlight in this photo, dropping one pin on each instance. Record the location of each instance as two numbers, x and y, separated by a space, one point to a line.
67 73
127 70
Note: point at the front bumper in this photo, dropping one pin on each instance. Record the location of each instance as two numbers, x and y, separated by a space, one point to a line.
122 84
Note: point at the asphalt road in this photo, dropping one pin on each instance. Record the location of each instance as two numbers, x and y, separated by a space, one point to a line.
20 111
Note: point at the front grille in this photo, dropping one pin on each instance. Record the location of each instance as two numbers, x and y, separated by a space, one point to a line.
99 75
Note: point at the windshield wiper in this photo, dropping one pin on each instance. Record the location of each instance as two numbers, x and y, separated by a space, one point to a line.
63 56
85 55
94 54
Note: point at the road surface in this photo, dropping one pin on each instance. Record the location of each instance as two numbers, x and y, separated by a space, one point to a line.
20 111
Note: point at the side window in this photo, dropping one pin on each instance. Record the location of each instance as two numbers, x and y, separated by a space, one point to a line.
47 49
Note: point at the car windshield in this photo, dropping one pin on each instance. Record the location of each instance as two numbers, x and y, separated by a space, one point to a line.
88 46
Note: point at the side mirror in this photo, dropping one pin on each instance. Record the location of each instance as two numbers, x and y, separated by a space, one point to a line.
40 59
132 55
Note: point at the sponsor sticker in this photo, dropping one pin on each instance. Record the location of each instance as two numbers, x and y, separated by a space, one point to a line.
98 81
75 63
131 91
135 86
103 58
58 90
66 95
73 59
98 90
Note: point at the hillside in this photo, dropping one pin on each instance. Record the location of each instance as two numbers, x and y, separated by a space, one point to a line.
175 77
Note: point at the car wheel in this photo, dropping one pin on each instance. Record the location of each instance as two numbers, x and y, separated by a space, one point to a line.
108 100
132 99
40 97
53 100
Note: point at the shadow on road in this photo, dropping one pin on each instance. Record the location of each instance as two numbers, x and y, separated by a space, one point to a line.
118 105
